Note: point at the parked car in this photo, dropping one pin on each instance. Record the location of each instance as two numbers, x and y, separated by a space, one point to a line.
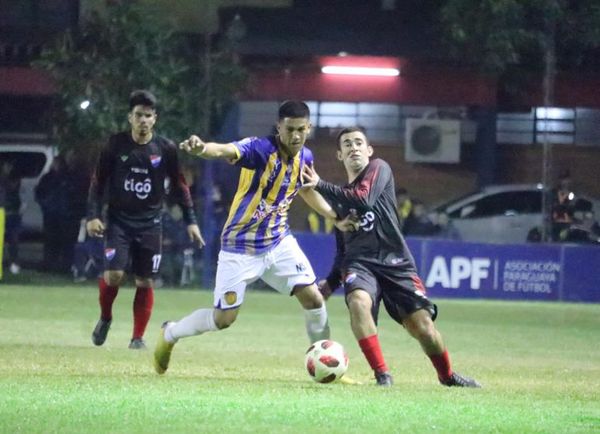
497 214
32 161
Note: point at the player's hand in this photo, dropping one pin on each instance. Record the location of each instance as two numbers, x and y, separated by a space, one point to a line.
194 145
95 228
310 178
350 223
324 289
195 235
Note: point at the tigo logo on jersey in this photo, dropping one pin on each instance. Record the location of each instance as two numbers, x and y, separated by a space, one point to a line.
155 160
110 253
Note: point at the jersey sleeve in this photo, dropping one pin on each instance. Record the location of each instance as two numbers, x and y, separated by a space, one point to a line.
100 177
364 193
253 152
179 190
308 156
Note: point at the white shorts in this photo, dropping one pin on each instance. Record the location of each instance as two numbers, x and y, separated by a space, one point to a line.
282 268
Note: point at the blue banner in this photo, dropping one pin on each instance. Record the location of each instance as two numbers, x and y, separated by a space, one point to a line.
544 272
453 269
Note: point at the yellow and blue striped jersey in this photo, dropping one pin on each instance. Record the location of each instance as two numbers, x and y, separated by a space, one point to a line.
258 217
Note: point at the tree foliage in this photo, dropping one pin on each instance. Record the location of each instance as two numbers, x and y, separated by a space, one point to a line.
128 48
496 34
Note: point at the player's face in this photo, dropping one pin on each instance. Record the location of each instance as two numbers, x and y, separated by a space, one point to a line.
293 133
354 151
142 120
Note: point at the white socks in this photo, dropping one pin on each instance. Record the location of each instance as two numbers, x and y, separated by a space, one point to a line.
198 322
202 320
317 326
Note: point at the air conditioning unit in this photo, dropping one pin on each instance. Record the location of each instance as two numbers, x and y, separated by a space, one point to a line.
432 141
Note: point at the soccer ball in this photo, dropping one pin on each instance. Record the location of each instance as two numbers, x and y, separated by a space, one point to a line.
326 361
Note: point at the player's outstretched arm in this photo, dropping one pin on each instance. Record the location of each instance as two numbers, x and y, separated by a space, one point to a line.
209 150
317 202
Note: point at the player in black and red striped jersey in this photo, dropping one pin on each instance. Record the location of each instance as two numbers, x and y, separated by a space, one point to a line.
375 263
133 173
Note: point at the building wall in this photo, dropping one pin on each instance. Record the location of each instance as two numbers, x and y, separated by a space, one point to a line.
437 183
432 183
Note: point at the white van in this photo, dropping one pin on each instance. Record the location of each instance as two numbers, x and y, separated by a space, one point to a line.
33 161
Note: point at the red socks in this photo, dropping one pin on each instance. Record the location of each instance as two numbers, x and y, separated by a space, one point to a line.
441 363
372 351
142 309
107 295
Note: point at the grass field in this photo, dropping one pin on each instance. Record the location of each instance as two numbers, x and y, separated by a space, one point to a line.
539 364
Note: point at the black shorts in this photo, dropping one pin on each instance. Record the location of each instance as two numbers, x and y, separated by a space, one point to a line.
401 289
140 248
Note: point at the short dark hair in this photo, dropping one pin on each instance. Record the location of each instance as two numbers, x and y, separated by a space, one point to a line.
294 109
348 130
142 97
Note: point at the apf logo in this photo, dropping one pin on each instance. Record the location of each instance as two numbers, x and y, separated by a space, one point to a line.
141 189
461 268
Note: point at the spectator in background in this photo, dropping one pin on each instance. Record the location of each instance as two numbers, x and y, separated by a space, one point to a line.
445 228
178 250
317 224
13 208
3 182
418 223
404 203
78 175
562 202
584 228
88 256
51 195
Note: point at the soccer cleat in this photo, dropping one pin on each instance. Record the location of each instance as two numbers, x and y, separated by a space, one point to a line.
457 380
137 344
162 352
100 331
384 379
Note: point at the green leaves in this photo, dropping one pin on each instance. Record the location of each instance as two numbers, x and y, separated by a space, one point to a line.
495 34
126 48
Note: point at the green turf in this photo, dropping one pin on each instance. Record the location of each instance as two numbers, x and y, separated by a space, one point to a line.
539 363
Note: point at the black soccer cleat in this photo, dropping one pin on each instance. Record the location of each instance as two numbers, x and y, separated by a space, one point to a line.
137 344
457 380
101 330
384 379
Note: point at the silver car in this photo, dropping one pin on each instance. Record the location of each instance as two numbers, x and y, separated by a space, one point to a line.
497 214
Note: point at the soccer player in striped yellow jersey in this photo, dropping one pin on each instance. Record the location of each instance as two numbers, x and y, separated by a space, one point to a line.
256 242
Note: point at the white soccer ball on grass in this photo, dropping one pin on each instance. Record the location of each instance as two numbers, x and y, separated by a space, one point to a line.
326 361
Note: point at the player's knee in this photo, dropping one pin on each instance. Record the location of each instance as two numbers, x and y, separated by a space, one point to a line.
422 329
143 282
309 296
224 319
359 302
113 278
